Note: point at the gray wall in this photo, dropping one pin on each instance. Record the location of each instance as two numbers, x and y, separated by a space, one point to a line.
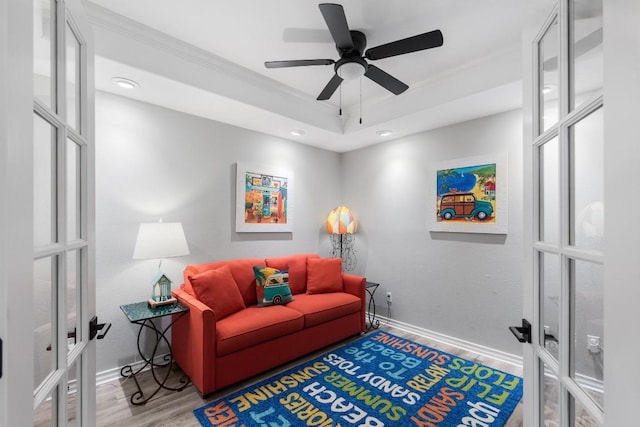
467 286
156 163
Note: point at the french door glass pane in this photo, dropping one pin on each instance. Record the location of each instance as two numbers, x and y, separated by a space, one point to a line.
73 80
73 190
580 417
73 296
44 182
550 301
549 189
586 41
73 403
43 46
549 77
587 152
550 398
46 413
45 344
588 356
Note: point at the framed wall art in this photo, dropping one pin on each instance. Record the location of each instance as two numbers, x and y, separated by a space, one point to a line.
264 199
470 195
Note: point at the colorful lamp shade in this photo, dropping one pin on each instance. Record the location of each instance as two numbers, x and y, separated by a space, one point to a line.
341 221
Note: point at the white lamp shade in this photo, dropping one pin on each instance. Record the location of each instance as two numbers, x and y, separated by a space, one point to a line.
158 240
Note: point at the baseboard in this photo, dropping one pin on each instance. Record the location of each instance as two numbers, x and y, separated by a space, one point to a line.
481 350
500 356
587 383
114 374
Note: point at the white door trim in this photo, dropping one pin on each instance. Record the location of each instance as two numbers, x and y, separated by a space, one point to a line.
16 211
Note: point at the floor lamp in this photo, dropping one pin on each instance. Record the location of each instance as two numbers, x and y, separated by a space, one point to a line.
341 226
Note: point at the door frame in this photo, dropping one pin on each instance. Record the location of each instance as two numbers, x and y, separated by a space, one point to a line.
16 211
622 287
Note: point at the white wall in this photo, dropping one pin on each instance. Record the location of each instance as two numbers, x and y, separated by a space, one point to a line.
156 163
467 286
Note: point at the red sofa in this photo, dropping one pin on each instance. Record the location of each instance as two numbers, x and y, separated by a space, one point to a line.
216 348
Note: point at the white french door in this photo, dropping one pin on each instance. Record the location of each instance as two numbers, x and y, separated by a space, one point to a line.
49 357
564 170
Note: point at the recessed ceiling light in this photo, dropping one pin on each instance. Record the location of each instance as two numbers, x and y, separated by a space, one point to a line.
125 83
297 132
384 132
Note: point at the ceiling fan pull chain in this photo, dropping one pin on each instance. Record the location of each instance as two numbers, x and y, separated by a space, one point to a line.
360 100
340 88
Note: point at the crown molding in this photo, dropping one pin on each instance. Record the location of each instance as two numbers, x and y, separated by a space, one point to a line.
133 30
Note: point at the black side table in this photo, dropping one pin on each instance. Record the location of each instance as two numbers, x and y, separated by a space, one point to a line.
141 314
371 308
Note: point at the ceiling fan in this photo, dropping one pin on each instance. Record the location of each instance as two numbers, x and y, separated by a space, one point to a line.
351 46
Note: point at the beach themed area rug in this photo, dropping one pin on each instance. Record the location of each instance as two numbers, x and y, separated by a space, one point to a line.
377 380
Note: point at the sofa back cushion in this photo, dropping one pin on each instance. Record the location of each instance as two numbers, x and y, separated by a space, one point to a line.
241 270
218 290
296 265
324 275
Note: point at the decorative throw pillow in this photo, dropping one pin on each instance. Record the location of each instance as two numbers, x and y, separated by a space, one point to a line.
272 286
324 275
218 290
296 265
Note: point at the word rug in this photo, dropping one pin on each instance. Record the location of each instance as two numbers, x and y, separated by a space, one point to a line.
377 380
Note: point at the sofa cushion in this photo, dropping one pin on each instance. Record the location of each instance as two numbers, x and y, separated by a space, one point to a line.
321 308
241 270
272 286
297 267
254 325
324 275
218 290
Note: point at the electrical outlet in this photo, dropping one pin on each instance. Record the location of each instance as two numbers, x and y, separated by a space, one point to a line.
388 297
593 344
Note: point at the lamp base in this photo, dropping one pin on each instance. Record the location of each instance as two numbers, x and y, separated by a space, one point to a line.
155 304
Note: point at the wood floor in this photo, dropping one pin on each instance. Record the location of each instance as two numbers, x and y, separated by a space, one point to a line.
175 408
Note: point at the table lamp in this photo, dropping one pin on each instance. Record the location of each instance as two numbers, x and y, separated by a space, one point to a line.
158 240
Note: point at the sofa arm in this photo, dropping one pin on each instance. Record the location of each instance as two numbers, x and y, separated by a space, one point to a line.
356 285
193 339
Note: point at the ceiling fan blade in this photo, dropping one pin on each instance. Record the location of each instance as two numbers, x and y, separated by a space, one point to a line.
410 44
330 88
333 15
385 80
298 63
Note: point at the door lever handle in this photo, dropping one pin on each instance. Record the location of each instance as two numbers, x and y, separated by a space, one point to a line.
522 333
94 327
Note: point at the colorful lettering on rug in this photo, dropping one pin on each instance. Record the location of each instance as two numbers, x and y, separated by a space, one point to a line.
378 380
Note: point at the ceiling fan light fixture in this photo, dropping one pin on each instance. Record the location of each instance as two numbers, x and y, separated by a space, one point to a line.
351 70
